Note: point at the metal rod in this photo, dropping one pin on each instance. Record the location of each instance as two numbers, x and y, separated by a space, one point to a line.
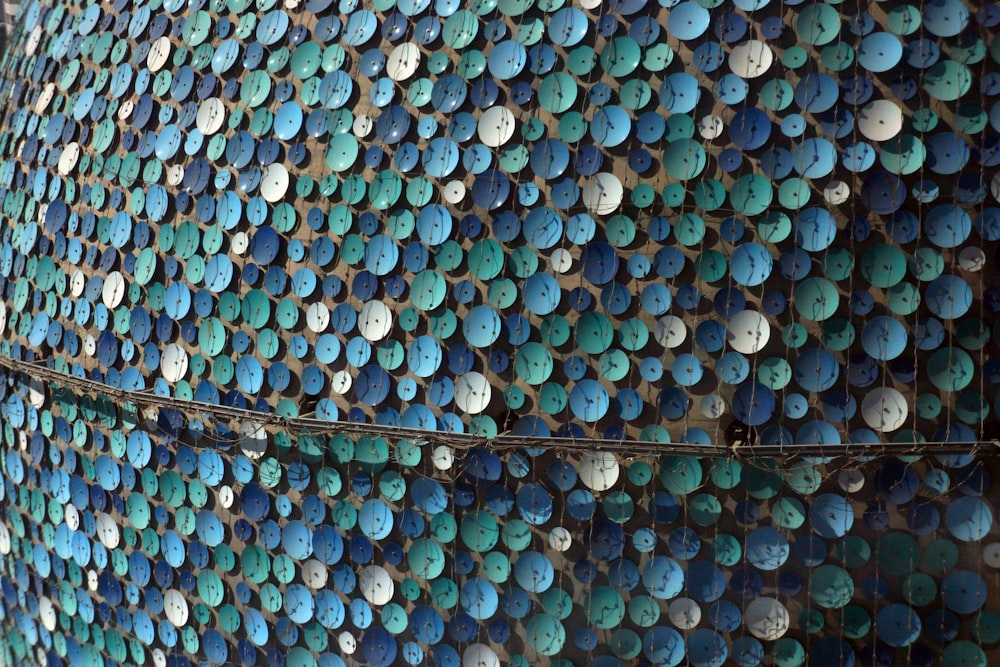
306 426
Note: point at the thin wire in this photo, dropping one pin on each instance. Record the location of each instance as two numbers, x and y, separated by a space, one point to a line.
300 426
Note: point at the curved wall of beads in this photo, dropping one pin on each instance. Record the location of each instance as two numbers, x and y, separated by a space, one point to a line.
298 297
637 221
304 548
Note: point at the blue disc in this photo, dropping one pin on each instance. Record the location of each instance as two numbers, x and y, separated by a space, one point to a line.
816 369
541 294
705 581
709 56
947 225
831 515
793 125
589 400
750 264
816 92
706 648
610 126
507 60
732 368
491 189
969 519
680 92
440 158
880 52
549 158
963 592
753 404
814 158
884 338
372 385
687 21
534 504
949 297
750 129
568 26
600 263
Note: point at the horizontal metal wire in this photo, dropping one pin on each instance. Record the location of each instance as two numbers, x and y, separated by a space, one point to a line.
306 426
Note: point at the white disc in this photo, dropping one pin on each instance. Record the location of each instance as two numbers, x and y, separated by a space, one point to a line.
175 607
173 363
107 531
114 289
836 192
253 440
36 393
68 158
560 539
880 120
454 192
376 585
158 55
972 259
240 243
670 331
3 317
274 182
92 580
991 555
713 406
226 496
159 658
317 317
363 125
851 480
71 516
341 382
175 175
443 457
603 193
126 109
314 574
89 345
750 59
403 62
375 321
766 618
472 392
44 97
748 331
347 642
77 282
684 613
496 126
47 613
561 260
884 409
5 539
480 655
598 471
710 127
211 114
